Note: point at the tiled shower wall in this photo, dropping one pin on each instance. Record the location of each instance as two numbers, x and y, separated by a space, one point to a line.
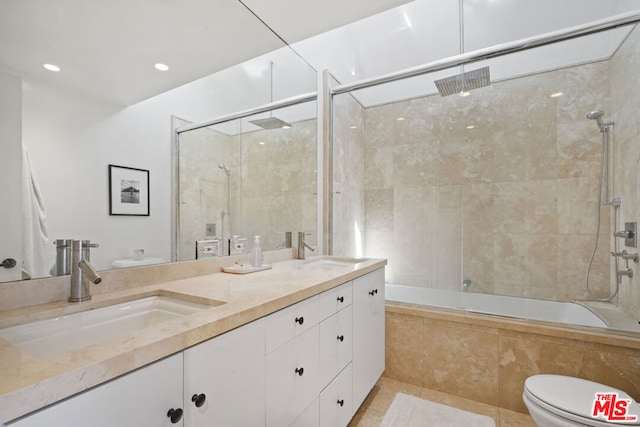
348 177
625 104
279 183
203 185
273 184
509 204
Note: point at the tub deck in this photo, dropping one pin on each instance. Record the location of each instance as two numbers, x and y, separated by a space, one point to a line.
591 314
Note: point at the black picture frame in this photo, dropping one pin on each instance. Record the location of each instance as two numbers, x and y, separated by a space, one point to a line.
128 191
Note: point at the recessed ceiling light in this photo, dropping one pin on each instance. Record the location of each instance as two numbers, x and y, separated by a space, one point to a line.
51 67
353 127
261 142
400 119
161 67
471 127
556 95
286 127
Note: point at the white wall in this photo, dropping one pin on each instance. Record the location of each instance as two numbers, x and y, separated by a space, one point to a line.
10 193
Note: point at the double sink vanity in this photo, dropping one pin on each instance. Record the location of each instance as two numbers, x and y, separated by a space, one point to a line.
299 344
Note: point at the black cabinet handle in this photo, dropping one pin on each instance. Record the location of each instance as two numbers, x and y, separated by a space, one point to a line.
300 371
175 415
341 402
340 299
300 320
8 263
198 399
340 338
373 292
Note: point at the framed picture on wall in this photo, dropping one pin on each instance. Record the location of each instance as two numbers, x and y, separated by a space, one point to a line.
128 191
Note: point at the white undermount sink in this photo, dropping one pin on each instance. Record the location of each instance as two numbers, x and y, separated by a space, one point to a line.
328 261
56 335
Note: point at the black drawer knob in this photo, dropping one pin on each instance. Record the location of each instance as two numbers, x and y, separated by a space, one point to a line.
340 299
300 320
175 415
300 371
340 338
373 292
341 402
8 263
199 399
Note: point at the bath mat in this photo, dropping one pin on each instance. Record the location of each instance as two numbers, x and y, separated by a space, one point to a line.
411 411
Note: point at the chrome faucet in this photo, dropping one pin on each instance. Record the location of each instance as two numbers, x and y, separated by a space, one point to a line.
287 241
82 272
302 244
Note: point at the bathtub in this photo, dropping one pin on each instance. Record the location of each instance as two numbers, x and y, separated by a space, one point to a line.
487 358
601 315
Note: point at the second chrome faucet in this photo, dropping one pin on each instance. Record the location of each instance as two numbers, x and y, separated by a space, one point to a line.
302 244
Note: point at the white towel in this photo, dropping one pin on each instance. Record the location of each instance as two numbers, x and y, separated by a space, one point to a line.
34 222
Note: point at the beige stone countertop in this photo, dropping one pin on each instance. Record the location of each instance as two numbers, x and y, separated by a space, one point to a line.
28 383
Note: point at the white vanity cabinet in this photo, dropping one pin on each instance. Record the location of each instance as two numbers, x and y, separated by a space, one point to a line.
140 398
292 342
368 333
218 382
308 365
224 379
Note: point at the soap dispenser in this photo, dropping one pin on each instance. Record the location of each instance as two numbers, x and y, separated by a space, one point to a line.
255 259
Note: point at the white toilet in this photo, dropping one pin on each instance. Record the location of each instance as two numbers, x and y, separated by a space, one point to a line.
561 401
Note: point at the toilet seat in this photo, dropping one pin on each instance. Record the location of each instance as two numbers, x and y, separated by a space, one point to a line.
573 398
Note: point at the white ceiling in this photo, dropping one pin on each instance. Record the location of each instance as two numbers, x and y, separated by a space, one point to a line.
107 49
424 31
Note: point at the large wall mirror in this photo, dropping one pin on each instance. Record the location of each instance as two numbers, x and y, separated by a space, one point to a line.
249 176
72 135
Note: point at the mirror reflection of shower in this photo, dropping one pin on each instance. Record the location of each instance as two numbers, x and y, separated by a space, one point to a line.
597 115
227 211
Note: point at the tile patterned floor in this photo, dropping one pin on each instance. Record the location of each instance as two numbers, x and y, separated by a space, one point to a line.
375 405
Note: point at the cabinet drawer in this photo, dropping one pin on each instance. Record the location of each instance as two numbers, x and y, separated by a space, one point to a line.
284 325
336 401
292 378
335 299
336 344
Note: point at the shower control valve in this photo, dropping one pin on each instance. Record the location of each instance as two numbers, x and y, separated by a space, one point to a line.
627 256
625 234
629 234
628 272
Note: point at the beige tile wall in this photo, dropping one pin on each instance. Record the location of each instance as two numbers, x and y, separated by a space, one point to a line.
348 177
488 359
273 185
279 183
625 104
510 204
203 185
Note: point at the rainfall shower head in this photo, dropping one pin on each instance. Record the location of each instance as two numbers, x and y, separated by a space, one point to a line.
224 168
464 82
597 116
271 123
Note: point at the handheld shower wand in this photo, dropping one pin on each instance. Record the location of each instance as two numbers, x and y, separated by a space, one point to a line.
597 116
